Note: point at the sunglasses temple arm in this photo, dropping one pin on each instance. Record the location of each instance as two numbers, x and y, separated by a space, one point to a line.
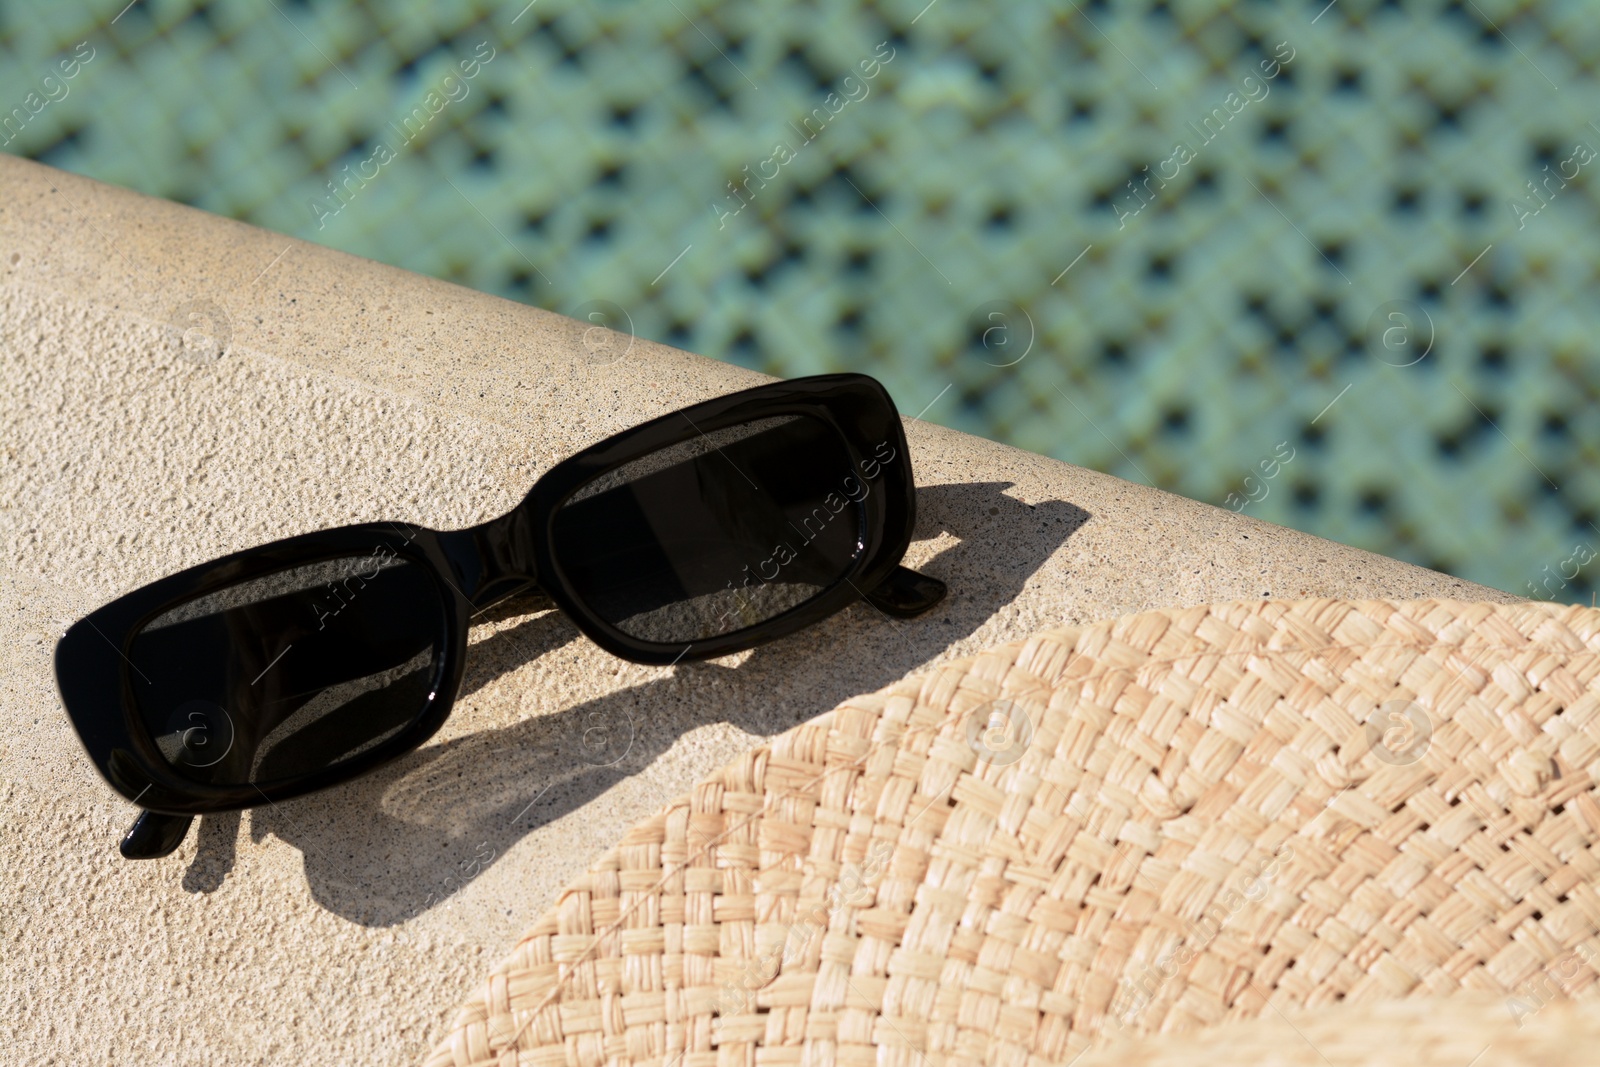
905 594
155 834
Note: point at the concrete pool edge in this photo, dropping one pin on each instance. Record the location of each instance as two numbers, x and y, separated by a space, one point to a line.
228 284
145 333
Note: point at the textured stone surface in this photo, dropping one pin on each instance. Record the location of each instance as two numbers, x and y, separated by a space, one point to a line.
352 921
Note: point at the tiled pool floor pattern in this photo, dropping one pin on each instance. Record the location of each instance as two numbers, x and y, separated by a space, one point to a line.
1050 224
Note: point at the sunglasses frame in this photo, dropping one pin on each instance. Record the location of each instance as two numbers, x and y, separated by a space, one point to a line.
479 566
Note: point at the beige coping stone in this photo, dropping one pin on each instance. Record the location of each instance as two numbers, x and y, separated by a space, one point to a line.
345 926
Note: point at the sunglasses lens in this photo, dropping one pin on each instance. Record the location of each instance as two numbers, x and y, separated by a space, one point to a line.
292 673
717 533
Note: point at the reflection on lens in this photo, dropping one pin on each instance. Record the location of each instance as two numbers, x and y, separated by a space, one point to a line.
717 533
291 673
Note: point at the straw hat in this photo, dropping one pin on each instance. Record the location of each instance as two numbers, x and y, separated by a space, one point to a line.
1198 820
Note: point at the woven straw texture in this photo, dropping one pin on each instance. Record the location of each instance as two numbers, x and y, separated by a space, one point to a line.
1465 1030
1157 823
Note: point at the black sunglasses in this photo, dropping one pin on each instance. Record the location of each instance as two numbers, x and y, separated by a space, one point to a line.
291 667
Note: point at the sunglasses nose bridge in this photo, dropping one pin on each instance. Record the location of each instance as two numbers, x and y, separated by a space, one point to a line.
494 559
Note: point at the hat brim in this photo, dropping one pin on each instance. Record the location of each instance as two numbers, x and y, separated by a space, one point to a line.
1161 822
